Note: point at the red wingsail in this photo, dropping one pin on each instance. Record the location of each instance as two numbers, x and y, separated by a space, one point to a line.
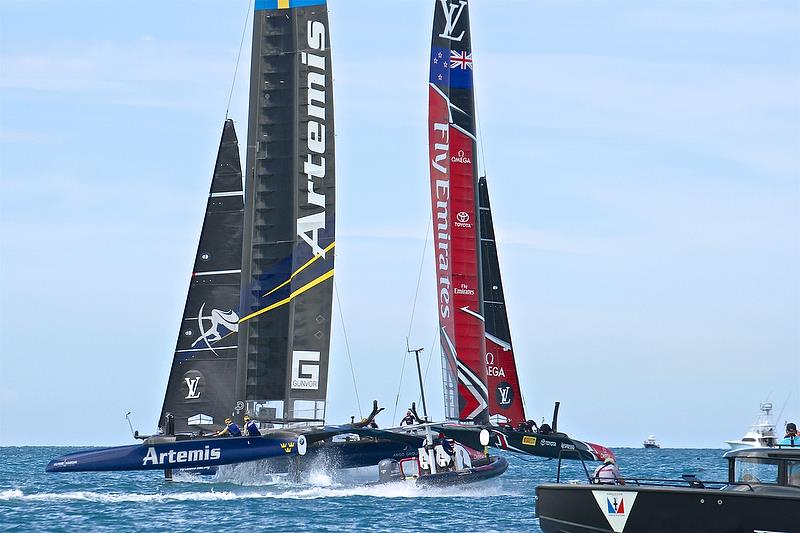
454 200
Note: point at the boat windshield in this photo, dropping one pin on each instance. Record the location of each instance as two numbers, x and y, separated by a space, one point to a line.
794 473
754 470
409 467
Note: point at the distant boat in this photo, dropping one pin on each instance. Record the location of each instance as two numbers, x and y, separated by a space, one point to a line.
761 434
650 442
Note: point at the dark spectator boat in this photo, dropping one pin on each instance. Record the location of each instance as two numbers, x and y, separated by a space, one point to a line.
762 494
434 466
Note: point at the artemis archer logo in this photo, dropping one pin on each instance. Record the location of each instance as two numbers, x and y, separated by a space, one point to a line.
305 370
222 324
452 12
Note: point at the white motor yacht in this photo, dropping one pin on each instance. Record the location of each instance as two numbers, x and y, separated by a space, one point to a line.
650 442
761 434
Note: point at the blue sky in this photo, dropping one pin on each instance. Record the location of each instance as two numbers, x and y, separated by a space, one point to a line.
643 161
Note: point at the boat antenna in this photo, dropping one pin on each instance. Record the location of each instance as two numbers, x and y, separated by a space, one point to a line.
238 57
783 408
419 373
128 418
413 309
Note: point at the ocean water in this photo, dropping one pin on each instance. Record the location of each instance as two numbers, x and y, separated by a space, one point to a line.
249 497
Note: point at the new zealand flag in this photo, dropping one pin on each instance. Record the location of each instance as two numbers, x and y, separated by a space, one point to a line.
451 68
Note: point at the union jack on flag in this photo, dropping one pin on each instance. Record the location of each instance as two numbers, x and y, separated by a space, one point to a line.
460 59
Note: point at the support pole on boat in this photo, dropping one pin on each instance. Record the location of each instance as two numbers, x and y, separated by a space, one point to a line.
555 417
419 373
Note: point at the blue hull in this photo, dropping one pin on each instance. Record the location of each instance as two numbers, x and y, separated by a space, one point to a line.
162 454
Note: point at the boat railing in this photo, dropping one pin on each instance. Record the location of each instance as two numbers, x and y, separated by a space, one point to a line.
688 480
571 454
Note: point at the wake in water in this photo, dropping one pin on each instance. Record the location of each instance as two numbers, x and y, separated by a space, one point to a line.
323 480
279 490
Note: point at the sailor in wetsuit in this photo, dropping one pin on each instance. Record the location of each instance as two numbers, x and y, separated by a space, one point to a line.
250 427
230 430
608 473
447 446
408 420
529 426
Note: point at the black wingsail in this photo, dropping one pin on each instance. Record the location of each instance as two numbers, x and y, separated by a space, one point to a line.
505 396
200 390
287 264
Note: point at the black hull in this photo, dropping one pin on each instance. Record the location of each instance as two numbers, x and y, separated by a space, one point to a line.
589 508
493 468
337 455
355 454
541 445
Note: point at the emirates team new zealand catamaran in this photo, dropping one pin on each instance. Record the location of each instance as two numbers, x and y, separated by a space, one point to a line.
480 375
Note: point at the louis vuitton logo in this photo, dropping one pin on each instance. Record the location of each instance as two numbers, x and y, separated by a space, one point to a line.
191 384
505 395
452 12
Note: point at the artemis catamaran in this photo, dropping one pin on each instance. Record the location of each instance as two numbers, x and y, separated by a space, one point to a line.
255 332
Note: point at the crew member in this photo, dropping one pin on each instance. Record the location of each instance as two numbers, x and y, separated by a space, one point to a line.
608 473
250 427
409 419
447 446
230 430
791 438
